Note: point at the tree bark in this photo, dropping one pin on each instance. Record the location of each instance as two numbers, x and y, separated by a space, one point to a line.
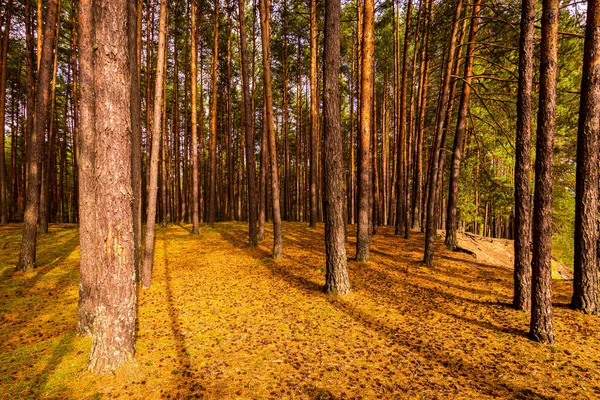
265 31
86 168
402 225
3 78
541 326
213 124
248 129
35 143
431 217
460 135
194 90
585 281
522 243
113 333
49 159
134 37
366 107
314 143
154 157
336 280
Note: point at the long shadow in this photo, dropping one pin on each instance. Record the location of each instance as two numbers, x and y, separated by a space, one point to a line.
485 382
187 378
64 346
365 275
47 258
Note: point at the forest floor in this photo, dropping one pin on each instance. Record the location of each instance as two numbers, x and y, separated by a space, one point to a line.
224 321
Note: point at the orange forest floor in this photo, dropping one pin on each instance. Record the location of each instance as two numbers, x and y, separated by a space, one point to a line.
224 321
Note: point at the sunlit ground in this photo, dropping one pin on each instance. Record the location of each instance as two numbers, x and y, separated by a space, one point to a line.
222 320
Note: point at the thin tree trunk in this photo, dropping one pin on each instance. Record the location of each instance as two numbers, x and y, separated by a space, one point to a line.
154 158
585 281
213 125
35 144
3 78
265 31
460 135
352 162
134 19
402 144
542 315
30 91
48 163
436 153
314 143
194 87
366 98
522 243
336 280
248 129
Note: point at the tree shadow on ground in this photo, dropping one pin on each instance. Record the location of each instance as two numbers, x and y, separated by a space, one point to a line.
188 380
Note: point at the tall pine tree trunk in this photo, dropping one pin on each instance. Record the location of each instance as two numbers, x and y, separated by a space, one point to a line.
212 200
314 142
265 25
113 332
366 107
585 281
194 153
3 78
154 157
460 135
336 280
35 143
522 243
134 32
542 315
436 151
248 129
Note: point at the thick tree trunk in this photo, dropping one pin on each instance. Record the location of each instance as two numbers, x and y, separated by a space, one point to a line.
431 217
212 200
522 243
336 280
248 129
585 281
265 25
541 327
154 157
366 107
35 143
113 333
87 162
194 90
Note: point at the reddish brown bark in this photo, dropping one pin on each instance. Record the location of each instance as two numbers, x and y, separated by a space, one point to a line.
366 98
522 243
248 129
585 281
265 31
154 158
336 280
35 143
542 315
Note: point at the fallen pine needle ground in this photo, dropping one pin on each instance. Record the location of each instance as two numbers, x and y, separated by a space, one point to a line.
224 321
